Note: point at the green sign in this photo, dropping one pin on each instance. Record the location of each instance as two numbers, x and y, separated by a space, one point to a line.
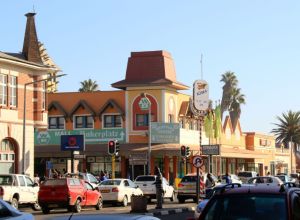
144 103
94 136
164 132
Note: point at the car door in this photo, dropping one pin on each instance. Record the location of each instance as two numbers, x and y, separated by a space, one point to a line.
25 195
91 194
127 189
32 189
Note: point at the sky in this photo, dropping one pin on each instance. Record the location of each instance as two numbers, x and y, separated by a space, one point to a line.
258 40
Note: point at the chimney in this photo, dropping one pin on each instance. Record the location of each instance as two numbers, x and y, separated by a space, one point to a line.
30 46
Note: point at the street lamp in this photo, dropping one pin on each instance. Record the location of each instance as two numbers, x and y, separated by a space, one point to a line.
24 114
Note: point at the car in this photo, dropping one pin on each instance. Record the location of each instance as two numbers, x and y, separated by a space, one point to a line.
19 189
9 212
246 175
234 179
69 193
284 178
255 202
88 177
294 177
146 184
187 187
118 190
106 217
265 180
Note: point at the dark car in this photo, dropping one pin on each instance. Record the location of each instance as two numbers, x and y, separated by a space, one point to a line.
254 203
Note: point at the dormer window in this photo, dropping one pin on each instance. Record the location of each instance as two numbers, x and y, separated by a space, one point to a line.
56 122
112 121
84 121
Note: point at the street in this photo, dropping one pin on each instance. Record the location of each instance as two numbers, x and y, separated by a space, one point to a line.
109 209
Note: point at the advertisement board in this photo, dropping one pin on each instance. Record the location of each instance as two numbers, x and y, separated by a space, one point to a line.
201 95
72 143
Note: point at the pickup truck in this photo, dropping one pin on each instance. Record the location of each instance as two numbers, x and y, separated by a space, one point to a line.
19 189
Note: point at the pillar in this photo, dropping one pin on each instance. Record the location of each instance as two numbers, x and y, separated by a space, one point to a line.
123 167
174 167
166 167
152 165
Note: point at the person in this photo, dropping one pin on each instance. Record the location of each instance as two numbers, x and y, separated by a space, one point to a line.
228 178
159 188
36 179
268 174
64 171
102 176
209 183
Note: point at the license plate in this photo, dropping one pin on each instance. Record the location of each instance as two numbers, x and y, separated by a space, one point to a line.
104 190
52 205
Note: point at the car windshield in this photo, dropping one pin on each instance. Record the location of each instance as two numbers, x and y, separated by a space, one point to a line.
55 182
145 178
247 207
245 174
5 180
110 183
281 178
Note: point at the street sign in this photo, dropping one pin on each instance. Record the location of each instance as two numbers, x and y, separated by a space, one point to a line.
197 161
144 103
165 132
211 149
200 95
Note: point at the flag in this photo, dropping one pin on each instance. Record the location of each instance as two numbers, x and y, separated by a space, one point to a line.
208 125
217 122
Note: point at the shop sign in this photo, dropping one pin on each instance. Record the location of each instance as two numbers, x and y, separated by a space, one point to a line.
94 136
144 103
138 159
72 143
211 149
200 95
165 132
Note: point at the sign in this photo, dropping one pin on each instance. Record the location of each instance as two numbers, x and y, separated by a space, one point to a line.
79 156
211 149
200 95
144 103
164 132
91 136
197 161
138 159
72 142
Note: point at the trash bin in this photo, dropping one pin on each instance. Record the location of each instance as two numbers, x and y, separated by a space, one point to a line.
138 204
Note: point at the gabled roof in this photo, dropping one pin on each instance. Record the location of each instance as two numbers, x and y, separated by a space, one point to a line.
185 109
113 104
85 105
57 106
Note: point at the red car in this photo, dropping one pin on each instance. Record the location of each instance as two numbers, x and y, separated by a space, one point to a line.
70 193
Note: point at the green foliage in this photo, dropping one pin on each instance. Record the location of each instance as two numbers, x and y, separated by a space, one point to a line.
88 86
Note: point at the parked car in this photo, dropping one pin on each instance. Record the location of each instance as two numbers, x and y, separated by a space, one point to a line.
187 187
234 179
88 177
118 190
19 189
284 178
106 217
246 175
244 202
146 184
265 180
69 193
9 212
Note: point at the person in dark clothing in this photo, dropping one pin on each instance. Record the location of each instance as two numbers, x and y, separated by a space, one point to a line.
228 179
159 188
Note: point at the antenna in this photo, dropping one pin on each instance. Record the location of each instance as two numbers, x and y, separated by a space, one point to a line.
201 66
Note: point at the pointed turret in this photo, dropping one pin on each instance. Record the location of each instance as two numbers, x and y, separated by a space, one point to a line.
31 47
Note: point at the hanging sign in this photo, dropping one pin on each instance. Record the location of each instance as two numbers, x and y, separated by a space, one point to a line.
200 96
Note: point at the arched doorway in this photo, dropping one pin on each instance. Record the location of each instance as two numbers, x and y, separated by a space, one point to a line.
8 156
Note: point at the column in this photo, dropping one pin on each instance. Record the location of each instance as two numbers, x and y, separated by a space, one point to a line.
175 167
166 167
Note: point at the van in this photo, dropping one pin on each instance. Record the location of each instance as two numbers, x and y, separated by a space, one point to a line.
246 175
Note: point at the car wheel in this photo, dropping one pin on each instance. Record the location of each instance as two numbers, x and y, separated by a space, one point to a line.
181 200
173 197
125 201
36 206
77 206
15 203
45 210
99 204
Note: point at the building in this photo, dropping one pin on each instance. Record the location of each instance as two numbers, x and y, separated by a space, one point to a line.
18 72
120 115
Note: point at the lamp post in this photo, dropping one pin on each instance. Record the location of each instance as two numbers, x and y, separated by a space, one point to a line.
24 115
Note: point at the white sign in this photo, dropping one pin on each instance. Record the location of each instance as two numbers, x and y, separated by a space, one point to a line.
144 103
201 100
197 161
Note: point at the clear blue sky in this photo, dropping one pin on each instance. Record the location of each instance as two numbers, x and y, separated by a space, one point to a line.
258 40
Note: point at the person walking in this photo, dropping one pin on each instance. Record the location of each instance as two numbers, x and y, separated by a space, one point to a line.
159 188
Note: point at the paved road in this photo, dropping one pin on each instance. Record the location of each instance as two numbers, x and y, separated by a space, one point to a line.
109 209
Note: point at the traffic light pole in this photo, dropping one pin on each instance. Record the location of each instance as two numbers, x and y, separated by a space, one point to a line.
113 166
184 165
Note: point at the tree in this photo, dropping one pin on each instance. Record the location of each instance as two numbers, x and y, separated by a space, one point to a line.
88 86
288 128
237 100
230 82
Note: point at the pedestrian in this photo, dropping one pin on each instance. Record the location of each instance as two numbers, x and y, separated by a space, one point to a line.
209 183
159 188
268 174
228 178
36 179
102 176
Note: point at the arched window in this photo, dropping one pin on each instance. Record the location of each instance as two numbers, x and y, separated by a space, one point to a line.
7 157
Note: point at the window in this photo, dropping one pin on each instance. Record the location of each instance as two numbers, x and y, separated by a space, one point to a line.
3 89
84 122
21 181
112 121
56 122
44 96
142 119
13 91
29 181
191 125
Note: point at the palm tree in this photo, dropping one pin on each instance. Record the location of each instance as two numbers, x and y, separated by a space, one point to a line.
237 100
230 82
288 128
88 86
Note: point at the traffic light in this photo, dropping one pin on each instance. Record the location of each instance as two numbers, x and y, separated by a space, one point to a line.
117 148
183 151
111 147
188 151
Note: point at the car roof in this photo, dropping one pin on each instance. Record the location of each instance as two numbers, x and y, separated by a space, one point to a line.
252 189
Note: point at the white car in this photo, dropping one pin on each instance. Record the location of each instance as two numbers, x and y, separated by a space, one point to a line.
234 179
118 190
9 212
146 184
265 180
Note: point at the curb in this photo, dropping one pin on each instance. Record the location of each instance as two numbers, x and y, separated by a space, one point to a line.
169 211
